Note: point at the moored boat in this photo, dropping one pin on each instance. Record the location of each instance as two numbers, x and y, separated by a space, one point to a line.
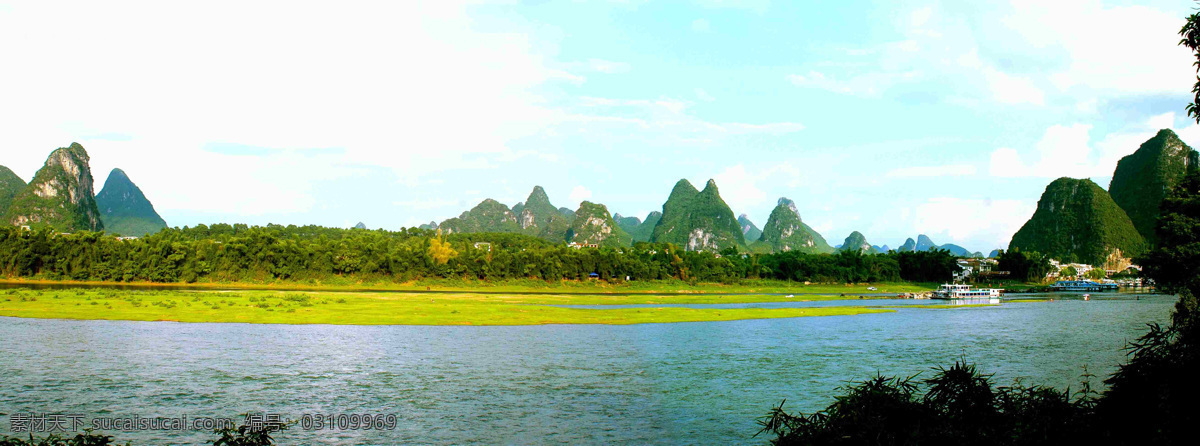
1083 285
956 291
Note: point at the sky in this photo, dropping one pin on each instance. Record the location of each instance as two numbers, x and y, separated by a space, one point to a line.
892 118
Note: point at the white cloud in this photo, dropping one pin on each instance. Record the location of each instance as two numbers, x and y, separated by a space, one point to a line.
1068 151
742 188
953 170
758 6
935 47
425 203
1080 51
1063 152
579 194
1190 134
1006 162
704 96
1120 49
668 104
1008 89
921 16
1088 105
700 25
1163 121
871 84
385 83
668 116
997 220
608 66
739 187
1064 149
774 128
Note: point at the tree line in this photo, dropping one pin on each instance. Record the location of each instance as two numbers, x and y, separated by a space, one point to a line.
243 253
1150 399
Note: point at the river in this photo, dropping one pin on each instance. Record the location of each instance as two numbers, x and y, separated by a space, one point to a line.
676 383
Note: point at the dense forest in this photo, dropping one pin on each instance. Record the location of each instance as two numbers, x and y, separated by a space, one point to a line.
311 254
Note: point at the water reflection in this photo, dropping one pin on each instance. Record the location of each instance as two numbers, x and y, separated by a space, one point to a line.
644 384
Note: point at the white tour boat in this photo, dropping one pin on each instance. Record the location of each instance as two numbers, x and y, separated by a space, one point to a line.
956 291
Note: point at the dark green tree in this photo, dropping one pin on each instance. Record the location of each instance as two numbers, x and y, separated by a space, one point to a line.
1190 34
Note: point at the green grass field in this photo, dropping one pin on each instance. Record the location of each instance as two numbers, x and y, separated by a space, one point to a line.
526 286
392 308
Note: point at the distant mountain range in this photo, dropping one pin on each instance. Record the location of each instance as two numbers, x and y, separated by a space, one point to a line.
640 230
697 220
858 242
785 231
61 196
1077 220
537 217
124 209
10 185
593 225
1142 179
924 243
749 230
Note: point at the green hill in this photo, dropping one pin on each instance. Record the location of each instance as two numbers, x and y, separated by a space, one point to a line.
10 184
60 194
1076 219
785 231
1143 178
539 218
626 224
957 250
487 216
593 224
124 209
750 231
858 242
639 230
535 216
924 243
697 220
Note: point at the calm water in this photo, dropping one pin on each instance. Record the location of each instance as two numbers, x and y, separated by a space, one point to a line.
655 383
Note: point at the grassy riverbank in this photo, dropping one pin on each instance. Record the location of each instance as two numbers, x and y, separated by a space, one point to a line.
364 308
514 286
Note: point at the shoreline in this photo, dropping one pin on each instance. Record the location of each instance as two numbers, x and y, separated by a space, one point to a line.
564 287
363 308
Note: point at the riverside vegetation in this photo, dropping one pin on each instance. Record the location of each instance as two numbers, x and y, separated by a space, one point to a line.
1149 400
312 255
357 308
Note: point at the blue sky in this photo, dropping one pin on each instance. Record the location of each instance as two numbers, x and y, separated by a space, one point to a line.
890 118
